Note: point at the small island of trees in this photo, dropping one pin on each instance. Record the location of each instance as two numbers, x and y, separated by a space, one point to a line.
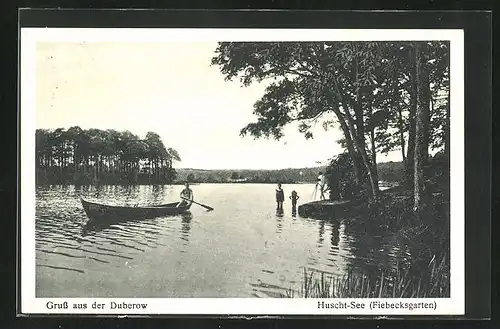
85 156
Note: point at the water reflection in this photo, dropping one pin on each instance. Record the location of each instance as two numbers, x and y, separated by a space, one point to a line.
186 226
91 227
335 236
321 232
156 192
279 220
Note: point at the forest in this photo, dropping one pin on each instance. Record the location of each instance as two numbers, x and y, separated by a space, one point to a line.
383 96
84 156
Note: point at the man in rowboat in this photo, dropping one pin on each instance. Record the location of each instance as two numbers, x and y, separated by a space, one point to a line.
186 193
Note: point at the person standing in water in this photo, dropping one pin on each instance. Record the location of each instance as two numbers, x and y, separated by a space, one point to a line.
186 193
294 197
321 182
280 197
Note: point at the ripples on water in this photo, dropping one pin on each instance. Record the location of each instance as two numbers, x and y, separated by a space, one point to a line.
242 249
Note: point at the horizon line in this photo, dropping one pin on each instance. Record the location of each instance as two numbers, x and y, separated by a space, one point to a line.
191 168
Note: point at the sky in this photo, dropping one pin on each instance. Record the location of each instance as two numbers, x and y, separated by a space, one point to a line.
169 88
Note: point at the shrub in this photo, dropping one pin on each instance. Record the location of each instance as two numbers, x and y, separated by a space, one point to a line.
341 179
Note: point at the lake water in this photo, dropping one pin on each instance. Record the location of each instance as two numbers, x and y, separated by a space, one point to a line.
241 249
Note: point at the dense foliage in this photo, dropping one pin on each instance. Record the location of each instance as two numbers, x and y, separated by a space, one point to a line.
83 156
340 176
384 96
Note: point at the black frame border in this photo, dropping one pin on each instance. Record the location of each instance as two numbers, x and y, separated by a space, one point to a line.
478 99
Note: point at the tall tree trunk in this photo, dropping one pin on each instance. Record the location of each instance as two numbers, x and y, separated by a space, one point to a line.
46 165
348 134
374 154
96 165
164 165
162 168
74 160
425 103
373 146
447 126
402 137
155 173
61 161
359 142
360 147
421 117
411 121
350 148
372 175
366 161
358 109
62 158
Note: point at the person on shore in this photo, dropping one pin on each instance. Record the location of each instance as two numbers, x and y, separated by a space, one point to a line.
188 194
320 184
280 197
294 197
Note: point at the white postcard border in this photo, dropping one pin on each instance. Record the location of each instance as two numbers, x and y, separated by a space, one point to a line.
455 305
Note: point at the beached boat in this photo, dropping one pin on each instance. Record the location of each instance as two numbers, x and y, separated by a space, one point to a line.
109 213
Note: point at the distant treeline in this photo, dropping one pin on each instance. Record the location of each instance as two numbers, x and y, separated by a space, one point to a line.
388 171
285 176
78 156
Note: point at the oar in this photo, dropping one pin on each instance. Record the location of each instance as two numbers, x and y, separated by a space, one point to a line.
200 204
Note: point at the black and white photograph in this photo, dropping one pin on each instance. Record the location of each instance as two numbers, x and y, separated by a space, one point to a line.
242 171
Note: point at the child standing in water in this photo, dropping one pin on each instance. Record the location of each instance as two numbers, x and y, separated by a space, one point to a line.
294 197
280 197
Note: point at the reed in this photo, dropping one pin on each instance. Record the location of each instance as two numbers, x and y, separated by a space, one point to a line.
398 284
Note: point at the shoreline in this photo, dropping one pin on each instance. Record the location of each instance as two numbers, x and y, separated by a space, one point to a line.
390 185
175 183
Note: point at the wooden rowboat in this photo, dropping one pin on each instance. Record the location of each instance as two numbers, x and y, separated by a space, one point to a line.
108 213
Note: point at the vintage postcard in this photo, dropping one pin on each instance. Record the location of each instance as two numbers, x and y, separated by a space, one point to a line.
242 171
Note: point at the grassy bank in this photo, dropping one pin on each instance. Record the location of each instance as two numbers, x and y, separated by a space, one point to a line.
433 283
395 212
